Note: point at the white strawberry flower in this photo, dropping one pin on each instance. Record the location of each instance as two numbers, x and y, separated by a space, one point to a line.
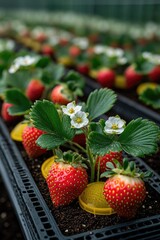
25 61
13 68
71 109
114 125
79 120
22 61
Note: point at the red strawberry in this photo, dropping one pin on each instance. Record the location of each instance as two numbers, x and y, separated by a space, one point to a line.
66 183
154 74
29 137
41 37
74 51
106 77
125 190
132 77
34 89
5 114
80 139
47 50
109 157
63 42
83 68
61 94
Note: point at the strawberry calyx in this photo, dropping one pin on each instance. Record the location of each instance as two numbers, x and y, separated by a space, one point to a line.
126 168
72 158
66 92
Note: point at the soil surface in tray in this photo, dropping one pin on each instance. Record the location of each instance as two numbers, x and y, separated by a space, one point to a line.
72 219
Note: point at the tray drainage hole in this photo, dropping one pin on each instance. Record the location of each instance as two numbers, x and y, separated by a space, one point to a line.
34 199
44 219
45 237
32 195
47 225
115 230
26 180
42 230
147 223
88 237
50 232
108 233
39 208
23 191
41 214
36 204
155 221
30 191
27 184
99 235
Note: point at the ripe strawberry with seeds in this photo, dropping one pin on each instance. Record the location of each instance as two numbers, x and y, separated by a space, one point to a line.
80 139
66 180
74 51
132 77
108 157
35 89
83 68
61 94
47 50
106 77
125 190
5 114
29 137
154 74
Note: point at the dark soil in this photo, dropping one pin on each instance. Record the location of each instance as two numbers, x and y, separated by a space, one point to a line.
72 219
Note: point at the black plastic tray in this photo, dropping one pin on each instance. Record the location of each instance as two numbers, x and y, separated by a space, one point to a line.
34 216
125 107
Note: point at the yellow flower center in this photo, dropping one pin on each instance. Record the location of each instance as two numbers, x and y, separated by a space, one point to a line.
115 126
71 110
79 120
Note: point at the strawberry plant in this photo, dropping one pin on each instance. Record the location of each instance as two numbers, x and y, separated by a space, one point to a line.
137 138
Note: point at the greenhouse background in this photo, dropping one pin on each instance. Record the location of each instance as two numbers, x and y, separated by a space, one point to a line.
125 10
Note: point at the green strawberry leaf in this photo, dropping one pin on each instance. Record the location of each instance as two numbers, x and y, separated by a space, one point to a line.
107 174
52 74
99 102
68 132
143 66
74 80
100 144
140 137
43 62
110 165
44 116
151 97
21 104
50 141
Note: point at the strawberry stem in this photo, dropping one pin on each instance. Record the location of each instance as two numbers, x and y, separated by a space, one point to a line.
92 163
78 146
